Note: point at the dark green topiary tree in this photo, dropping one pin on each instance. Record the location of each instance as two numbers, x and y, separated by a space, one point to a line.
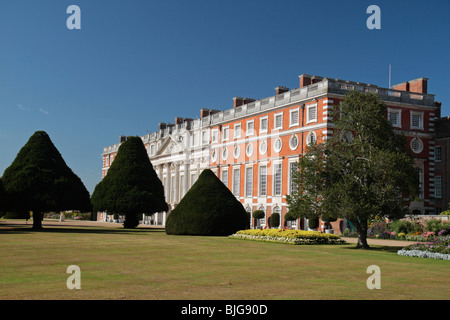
2 199
131 186
258 214
39 180
313 222
208 209
289 216
275 220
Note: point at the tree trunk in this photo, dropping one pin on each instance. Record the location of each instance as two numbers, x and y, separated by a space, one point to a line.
361 229
131 221
362 241
37 220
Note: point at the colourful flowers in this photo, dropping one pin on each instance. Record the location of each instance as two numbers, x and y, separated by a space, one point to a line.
288 236
439 248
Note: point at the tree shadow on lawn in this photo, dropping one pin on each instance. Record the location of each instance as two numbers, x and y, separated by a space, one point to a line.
391 249
8 228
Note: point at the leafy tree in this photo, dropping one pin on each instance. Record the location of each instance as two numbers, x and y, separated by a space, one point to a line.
131 186
39 180
209 209
365 170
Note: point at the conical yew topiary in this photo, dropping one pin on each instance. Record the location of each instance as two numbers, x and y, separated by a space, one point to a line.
131 186
208 209
39 180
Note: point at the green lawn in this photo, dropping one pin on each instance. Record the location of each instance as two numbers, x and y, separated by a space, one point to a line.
148 264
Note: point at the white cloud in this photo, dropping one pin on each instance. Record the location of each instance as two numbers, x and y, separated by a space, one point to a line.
43 111
21 107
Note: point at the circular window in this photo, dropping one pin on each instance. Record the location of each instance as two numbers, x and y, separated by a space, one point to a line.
416 145
311 139
249 150
237 152
263 147
214 155
225 154
293 142
278 145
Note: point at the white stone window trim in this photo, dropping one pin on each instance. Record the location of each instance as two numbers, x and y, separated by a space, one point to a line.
261 129
226 133
308 138
247 131
214 135
249 149
237 152
416 113
237 133
278 145
399 117
308 107
214 155
225 153
419 148
294 124
263 147
280 127
291 140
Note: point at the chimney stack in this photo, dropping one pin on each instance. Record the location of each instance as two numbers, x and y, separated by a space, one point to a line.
237 102
305 80
280 90
419 85
179 120
204 112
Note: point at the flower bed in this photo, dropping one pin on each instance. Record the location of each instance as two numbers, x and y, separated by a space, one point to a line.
439 248
296 237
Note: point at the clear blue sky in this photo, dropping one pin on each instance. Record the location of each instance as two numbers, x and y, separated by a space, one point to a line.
136 63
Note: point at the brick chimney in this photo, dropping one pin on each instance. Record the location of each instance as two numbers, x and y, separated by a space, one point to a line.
122 138
419 85
179 120
280 90
237 102
248 100
204 112
315 79
305 80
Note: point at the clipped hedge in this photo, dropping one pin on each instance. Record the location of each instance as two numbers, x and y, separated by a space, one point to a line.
208 209
296 237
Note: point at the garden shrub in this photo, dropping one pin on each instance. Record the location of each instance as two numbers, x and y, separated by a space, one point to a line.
275 220
289 216
208 208
436 225
404 226
313 223
258 214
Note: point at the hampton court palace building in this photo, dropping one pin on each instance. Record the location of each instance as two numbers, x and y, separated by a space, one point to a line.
253 146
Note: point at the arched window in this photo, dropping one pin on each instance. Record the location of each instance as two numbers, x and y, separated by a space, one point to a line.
311 139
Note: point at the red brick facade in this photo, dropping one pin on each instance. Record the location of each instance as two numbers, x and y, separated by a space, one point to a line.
253 146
